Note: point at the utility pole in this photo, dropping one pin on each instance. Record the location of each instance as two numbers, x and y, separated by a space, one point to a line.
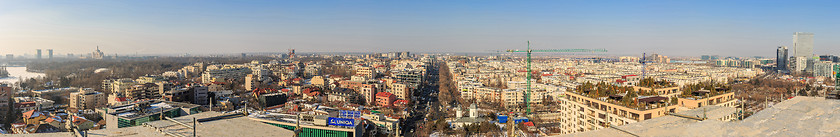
743 110
195 122
297 126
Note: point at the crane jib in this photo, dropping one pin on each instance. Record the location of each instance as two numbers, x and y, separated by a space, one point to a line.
561 50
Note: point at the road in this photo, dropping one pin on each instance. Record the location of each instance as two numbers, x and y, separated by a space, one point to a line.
424 96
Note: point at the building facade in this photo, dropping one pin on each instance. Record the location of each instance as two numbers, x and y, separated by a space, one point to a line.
803 44
782 58
825 69
87 98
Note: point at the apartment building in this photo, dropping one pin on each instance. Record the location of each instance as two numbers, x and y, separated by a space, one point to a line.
368 92
224 72
515 97
582 113
87 98
117 85
725 100
402 90
385 99
6 94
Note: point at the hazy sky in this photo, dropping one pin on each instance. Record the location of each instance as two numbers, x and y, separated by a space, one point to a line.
669 27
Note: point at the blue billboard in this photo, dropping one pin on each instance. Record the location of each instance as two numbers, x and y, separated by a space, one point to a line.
344 122
502 118
349 114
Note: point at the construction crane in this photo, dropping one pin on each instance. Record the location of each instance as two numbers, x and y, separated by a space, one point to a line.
528 67
644 64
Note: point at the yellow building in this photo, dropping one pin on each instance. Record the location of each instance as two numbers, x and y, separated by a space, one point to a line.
726 100
33 117
87 98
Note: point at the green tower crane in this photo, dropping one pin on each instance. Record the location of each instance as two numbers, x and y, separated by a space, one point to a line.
528 67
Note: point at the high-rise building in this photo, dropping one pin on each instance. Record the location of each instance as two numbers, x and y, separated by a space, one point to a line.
782 58
803 44
10 56
49 53
250 82
705 57
38 54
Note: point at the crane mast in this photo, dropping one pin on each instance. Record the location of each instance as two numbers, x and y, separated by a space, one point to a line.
528 52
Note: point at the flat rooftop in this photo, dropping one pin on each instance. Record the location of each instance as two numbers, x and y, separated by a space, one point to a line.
130 111
799 116
214 125
233 126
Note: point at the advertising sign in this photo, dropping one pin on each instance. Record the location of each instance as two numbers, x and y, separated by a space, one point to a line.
344 122
349 114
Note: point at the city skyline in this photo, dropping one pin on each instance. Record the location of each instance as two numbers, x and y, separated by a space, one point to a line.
674 28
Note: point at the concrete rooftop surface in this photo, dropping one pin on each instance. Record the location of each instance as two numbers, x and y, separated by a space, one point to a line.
235 126
799 117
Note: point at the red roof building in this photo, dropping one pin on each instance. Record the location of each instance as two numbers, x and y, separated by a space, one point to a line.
401 103
385 99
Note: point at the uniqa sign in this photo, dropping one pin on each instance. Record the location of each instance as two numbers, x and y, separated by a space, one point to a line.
340 122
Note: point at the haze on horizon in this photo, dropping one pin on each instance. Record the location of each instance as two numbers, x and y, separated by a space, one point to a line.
673 28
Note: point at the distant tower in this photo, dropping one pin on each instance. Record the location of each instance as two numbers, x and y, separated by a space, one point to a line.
49 53
38 54
291 53
97 54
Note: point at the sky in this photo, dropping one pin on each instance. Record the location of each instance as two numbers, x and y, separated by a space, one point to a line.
668 27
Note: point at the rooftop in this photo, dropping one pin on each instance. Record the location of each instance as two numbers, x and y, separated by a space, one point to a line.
799 116
145 108
210 124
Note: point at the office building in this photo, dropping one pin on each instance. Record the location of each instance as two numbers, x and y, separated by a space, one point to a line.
49 53
38 54
831 58
803 44
782 58
10 56
200 95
